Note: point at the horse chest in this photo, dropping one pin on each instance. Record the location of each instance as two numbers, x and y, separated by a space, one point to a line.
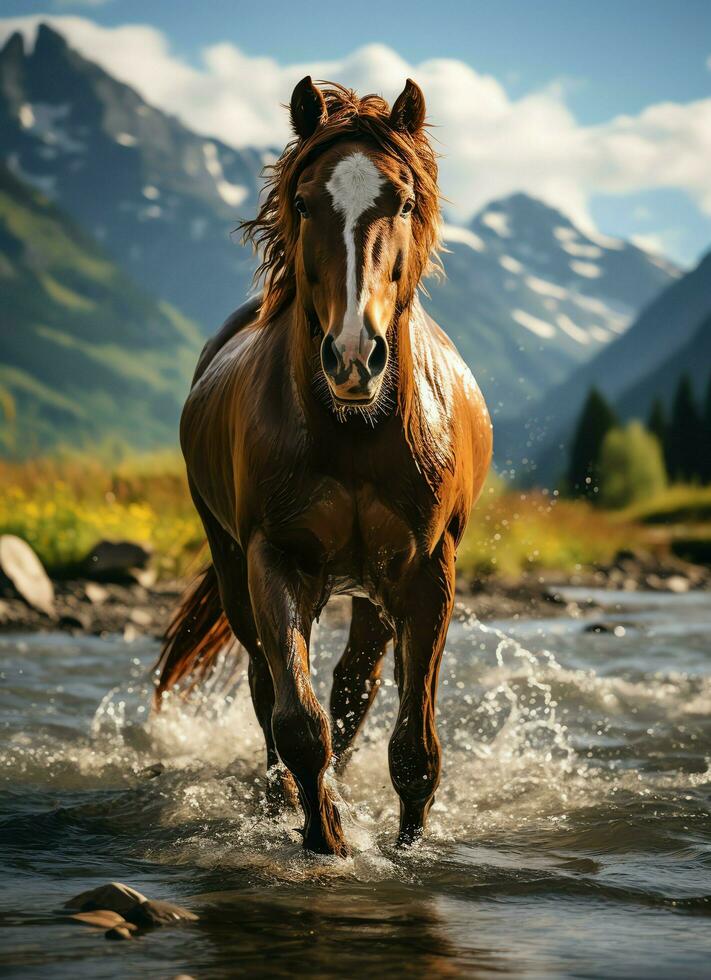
352 535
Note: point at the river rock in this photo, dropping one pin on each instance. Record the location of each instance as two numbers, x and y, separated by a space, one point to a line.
118 932
103 918
114 561
150 772
599 628
153 914
114 897
95 593
21 567
141 617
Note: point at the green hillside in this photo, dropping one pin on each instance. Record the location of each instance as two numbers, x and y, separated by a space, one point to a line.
85 355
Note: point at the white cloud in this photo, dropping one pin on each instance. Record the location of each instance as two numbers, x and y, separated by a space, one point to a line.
492 145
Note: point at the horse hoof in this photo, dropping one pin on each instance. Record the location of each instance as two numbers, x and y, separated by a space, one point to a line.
408 838
324 849
330 845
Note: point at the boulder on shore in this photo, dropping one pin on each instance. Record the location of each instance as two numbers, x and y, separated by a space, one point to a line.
22 572
115 561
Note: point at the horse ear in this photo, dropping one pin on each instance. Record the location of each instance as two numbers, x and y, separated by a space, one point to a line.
308 108
408 114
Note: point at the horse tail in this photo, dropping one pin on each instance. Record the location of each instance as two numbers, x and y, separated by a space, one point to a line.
197 634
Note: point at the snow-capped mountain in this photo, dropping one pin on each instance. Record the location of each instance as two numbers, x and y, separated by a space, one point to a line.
528 296
163 200
670 337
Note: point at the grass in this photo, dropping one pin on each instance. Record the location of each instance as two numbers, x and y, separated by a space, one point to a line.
62 506
676 505
512 533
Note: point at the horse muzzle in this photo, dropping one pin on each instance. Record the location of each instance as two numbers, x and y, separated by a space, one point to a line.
355 368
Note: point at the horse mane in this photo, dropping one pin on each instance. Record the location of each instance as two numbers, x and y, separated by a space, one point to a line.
274 231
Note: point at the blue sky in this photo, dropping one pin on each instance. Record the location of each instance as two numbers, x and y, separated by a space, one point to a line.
597 61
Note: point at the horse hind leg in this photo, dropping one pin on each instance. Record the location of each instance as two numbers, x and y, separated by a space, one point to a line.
414 751
356 677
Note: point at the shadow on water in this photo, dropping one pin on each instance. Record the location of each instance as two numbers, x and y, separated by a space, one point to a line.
571 834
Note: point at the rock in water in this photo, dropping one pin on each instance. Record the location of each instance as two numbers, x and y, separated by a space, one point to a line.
23 569
103 918
153 914
115 897
121 910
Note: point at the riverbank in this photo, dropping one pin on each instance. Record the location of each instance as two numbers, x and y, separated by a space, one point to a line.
132 610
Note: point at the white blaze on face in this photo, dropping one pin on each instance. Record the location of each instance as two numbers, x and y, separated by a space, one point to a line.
354 186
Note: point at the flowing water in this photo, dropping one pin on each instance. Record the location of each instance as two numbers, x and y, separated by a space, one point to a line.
571 835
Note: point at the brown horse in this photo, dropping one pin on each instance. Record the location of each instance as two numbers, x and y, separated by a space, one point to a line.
335 443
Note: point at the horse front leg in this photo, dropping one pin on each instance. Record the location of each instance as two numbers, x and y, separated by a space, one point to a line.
231 567
414 752
283 604
355 677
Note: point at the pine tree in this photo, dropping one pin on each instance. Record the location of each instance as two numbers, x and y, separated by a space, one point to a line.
595 421
686 436
657 425
706 436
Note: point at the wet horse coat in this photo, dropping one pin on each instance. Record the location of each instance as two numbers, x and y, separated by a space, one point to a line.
335 443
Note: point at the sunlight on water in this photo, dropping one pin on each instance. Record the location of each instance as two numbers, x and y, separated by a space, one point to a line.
526 743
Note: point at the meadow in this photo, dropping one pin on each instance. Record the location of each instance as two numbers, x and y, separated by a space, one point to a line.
63 505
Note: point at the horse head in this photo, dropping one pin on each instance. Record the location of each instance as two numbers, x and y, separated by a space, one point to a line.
354 208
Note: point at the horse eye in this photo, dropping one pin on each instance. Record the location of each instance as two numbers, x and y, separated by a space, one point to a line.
407 208
300 206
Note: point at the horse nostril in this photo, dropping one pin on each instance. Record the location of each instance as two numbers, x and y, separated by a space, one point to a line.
329 356
378 357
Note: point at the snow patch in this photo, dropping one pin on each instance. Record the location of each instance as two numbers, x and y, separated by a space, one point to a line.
125 139
540 327
511 264
587 269
545 288
232 194
464 236
151 192
565 234
591 304
498 222
27 116
597 333
606 241
572 329
582 251
44 120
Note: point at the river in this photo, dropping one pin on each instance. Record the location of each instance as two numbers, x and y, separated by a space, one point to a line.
571 835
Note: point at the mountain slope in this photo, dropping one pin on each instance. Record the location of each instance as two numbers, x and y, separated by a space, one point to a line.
528 296
85 355
163 200
678 318
693 359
